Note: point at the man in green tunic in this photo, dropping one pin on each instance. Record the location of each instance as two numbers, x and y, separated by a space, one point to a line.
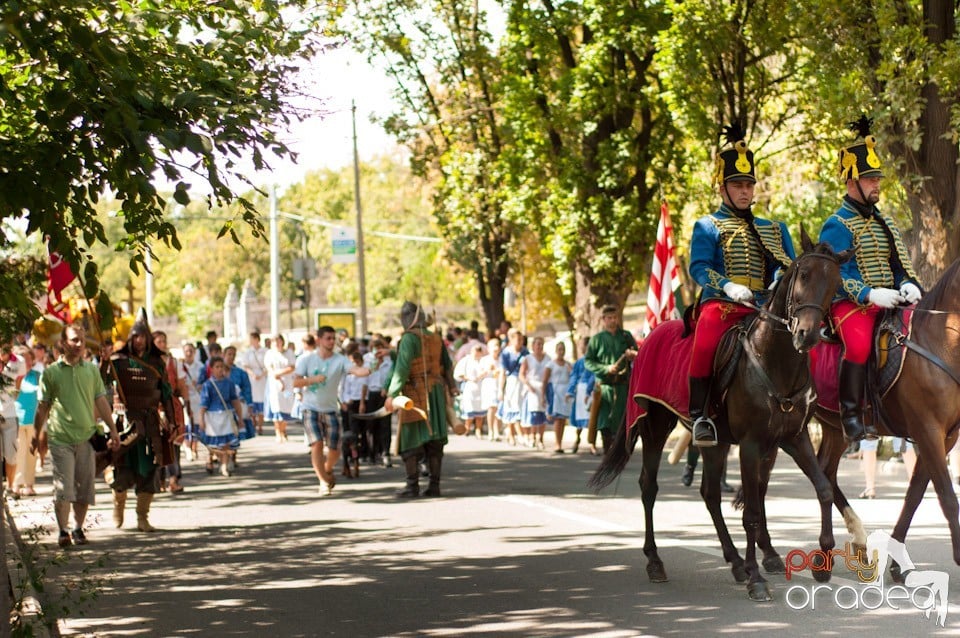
608 357
421 371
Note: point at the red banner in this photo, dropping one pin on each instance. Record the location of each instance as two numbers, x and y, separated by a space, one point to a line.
59 277
664 275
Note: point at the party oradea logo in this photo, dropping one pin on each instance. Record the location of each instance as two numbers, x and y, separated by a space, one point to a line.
923 590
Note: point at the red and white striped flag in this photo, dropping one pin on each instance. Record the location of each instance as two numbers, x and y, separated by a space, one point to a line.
664 275
59 277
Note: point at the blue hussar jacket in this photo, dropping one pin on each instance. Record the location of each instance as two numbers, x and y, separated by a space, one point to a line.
880 257
724 249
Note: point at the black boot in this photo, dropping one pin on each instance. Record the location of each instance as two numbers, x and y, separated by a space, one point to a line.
852 388
413 478
687 478
434 462
704 430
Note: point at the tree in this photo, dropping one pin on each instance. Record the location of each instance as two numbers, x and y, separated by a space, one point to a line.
594 136
897 61
110 95
447 78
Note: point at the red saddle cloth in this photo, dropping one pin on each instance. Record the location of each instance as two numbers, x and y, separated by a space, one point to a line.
660 371
825 368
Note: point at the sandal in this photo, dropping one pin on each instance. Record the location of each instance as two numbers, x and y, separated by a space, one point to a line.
868 493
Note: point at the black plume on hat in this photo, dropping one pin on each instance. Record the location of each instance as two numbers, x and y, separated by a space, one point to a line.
862 126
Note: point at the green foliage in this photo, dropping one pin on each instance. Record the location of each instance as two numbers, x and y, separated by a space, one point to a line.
107 96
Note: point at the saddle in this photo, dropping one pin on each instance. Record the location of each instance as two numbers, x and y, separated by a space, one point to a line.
883 367
660 373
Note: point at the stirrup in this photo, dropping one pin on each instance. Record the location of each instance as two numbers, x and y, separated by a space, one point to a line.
704 432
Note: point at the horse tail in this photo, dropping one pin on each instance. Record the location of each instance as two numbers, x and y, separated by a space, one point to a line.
738 500
616 457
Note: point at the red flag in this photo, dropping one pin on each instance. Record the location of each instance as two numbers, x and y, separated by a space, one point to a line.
664 275
58 277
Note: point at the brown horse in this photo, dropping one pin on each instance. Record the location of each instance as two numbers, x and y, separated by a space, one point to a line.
767 405
924 403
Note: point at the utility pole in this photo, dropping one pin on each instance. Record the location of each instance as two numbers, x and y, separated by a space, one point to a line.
274 264
356 198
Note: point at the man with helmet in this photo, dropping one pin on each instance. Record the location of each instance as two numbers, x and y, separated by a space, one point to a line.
422 372
880 274
735 257
142 388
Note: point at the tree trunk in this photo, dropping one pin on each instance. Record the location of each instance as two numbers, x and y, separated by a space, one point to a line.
934 205
591 297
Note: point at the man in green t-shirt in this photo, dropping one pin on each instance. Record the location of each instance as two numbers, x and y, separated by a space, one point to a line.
71 396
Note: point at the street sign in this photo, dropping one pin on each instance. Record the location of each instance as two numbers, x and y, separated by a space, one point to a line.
344 245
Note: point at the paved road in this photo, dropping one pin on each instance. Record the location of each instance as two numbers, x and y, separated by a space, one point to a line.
517 546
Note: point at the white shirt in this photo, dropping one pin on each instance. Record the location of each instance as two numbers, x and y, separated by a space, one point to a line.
252 361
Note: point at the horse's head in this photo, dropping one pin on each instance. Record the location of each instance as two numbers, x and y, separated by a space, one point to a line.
805 293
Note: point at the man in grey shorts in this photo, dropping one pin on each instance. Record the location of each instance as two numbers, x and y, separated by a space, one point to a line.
71 396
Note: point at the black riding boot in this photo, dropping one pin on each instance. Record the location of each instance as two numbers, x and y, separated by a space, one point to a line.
704 430
413 478
434 463
852 387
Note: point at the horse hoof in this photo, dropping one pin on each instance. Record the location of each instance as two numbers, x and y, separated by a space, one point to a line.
895 574
818 568
821 576
739 573
774 565
759 592
655 571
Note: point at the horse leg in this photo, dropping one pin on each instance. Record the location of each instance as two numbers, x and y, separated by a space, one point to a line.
659 423
931 463
802 452
713 462
832 447
772 563
750 460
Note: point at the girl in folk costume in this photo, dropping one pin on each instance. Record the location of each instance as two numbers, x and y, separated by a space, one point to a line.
510 387
470 372
220 409
533 371
558 403
490 396
278 404
192 368
579 392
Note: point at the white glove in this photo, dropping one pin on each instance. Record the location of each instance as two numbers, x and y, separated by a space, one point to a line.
773 284
737 292
910 293
884 297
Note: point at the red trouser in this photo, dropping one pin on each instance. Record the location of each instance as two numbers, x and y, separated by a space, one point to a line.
854 326
714 318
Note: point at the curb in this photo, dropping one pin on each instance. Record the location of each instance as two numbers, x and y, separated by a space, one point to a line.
30 612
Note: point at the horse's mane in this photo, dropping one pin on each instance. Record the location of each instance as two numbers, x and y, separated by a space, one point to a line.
938 297
823 248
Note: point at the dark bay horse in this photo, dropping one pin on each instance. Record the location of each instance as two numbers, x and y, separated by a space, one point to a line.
924 404
767 405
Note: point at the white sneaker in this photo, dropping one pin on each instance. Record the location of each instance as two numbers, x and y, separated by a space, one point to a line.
325 489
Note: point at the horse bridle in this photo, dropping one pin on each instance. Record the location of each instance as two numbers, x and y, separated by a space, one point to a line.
791 320
801 396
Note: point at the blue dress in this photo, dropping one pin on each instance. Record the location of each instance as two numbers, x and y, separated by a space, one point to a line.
510 407
581 388
211 400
